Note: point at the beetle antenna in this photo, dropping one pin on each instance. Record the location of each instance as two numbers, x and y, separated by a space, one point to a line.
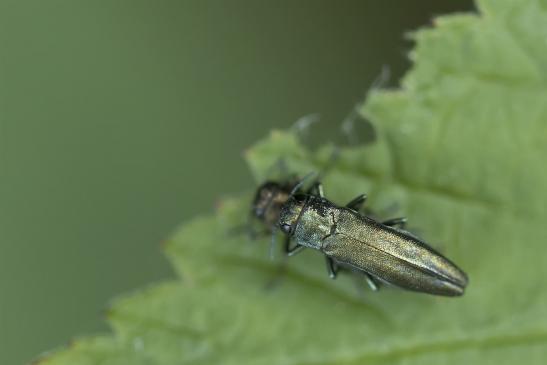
300 183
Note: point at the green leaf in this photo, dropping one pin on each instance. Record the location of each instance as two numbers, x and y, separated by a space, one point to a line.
460 151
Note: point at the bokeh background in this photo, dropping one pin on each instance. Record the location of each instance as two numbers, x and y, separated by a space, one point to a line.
121 119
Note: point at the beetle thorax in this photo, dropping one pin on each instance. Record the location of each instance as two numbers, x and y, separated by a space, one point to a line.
317 221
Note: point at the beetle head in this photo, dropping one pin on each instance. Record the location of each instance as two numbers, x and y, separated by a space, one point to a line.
290 212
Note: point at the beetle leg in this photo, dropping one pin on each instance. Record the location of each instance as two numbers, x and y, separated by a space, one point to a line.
316 189
357 203
371 282
332 268
399 222
291 251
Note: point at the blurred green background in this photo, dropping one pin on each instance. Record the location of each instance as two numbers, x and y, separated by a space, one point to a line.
121 119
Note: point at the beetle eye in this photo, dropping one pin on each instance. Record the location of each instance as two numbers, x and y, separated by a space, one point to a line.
286 228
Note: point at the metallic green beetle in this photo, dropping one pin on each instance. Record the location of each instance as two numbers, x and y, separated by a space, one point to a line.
267 204
349 238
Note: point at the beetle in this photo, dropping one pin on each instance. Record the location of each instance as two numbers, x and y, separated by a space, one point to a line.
269 199
382 250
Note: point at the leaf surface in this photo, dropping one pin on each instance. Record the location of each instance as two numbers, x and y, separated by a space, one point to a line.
460 151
